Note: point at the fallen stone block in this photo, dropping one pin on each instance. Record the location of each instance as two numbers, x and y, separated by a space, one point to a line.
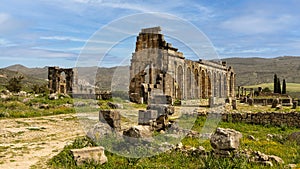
89 154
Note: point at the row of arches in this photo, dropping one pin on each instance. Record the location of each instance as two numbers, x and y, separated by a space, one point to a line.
202 83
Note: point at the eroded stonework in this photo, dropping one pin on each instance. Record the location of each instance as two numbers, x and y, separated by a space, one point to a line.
157 68
60 80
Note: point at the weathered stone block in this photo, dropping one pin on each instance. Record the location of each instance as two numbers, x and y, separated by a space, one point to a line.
111 117
88 154
225 139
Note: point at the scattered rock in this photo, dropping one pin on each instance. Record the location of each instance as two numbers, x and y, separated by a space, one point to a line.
292 166
53 96
4 97
67 105
162 109
22 93
225 139
80 104
88 154
111 117
26 100
193 134
115 105
44 106
276 159
100 130
250 137
138 131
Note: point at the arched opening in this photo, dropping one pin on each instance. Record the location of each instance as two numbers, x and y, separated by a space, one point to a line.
215 84
231 85
220 86
203 84
196 84
209 85
179 89
188 84
62 83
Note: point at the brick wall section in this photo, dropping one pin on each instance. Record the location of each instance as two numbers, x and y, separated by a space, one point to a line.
291 119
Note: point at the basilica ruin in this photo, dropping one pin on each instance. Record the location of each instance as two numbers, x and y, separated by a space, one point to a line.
157 68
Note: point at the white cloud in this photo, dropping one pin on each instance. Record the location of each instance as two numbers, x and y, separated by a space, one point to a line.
74 39
8 23
252 24
6 43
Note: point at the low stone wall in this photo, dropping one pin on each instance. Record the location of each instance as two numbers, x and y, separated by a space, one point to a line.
291 119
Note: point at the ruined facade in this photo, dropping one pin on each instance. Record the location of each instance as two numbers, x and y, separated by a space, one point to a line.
60 80
157 68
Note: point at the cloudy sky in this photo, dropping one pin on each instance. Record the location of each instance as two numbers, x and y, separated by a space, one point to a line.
53 32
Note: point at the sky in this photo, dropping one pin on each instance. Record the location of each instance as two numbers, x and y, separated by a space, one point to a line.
57 33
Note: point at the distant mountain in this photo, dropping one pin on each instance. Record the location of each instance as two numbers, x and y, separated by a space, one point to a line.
41 73
252 71
249 71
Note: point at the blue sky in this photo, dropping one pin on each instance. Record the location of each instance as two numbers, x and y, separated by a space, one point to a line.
53 32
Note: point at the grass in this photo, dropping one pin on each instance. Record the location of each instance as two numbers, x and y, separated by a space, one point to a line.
16 107
278 146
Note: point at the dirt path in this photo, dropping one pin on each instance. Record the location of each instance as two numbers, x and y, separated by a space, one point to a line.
28 141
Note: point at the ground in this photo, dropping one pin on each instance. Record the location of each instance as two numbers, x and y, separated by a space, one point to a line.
32 141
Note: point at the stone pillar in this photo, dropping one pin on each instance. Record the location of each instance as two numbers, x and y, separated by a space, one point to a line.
242 91
234 104
251 92
238 92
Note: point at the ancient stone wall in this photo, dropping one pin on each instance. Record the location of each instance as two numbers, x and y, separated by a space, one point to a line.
60 80
158 68
291 119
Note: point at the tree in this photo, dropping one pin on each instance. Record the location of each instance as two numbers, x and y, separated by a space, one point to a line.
40 88
14 84
278 86
283 87
275 83
266 90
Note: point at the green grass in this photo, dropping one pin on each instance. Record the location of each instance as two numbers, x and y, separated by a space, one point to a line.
14 107
278 145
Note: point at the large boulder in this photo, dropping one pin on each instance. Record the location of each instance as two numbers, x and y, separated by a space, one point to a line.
138 131
225 139
99 131
89 154
111 117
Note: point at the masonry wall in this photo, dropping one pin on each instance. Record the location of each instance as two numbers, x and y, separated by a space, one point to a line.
291 119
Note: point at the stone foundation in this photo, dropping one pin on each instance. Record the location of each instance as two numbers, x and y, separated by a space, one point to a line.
291 119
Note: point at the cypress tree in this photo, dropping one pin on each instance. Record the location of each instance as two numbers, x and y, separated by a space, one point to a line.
283 87
278 86
275 83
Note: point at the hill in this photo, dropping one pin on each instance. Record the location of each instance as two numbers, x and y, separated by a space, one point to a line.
249 71
253 71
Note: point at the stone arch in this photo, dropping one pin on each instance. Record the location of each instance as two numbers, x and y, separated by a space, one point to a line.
225 85
231 84
220 85
196 84
203 84
188 83
209 84
215 85
179 88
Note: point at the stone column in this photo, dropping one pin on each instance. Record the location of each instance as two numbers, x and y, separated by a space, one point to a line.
239 92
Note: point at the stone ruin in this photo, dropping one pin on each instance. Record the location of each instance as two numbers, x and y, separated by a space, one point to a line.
60 80
158 66
257 97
